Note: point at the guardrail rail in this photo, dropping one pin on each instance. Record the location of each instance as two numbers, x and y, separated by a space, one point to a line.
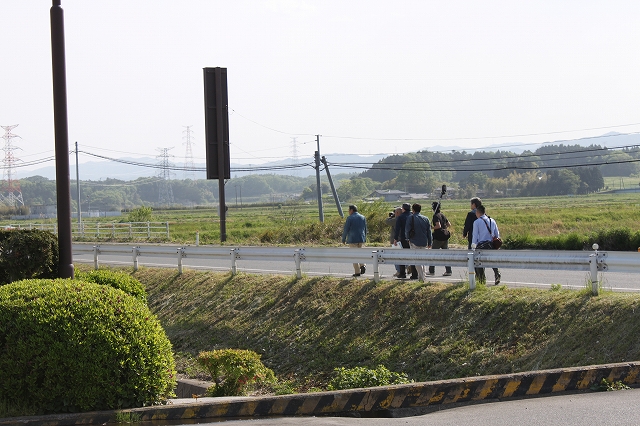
591 261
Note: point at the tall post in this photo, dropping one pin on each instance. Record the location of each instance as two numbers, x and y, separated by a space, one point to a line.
78 188
221 110
319 189
65 264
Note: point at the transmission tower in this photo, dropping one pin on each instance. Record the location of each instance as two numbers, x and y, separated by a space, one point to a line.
165 193
294 153
11 194
189 166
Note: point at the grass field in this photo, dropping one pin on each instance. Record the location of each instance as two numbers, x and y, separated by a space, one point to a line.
516 217
295 224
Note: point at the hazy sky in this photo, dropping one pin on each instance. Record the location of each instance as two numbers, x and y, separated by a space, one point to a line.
368 76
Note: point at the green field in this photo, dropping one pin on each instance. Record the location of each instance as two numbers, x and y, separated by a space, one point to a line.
298 224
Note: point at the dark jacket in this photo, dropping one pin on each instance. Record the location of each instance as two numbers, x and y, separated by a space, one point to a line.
422 228
401 221
467 231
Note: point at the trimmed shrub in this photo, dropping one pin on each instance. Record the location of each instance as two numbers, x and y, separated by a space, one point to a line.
69 346
28 253
361 377
234 371
120 280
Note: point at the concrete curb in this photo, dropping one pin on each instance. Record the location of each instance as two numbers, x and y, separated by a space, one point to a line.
367 402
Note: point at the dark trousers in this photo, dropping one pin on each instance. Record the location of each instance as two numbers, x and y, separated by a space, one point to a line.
403 270
480 275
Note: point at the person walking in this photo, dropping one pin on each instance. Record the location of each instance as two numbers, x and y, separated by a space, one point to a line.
354 233
403 239
484 230
418 230
391 221
467 231
441 235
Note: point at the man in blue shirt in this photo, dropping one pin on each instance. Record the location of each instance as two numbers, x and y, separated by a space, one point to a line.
484 229
355 234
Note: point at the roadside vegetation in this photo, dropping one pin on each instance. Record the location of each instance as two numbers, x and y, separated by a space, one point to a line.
306 329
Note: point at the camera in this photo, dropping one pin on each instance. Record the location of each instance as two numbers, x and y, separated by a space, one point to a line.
392 214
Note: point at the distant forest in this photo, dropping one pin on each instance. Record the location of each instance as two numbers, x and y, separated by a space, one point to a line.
549 170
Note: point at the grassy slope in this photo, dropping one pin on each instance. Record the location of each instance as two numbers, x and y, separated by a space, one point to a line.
305 328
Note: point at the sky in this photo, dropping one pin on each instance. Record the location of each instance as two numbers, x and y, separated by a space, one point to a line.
368 76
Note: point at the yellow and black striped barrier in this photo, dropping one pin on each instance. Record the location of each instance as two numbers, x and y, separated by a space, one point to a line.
369 401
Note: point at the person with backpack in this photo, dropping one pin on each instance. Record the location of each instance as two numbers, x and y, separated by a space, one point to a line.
441 235
485 229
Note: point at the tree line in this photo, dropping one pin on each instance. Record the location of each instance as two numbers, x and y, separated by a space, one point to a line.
549 170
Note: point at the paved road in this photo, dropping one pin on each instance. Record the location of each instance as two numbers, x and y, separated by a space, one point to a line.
583 409
510 277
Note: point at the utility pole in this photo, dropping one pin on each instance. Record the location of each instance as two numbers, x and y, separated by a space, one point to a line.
319 189
78 188
333 188
61 131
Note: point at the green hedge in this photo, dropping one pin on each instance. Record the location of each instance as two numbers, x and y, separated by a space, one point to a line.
28 253
120 280
611 240
69 346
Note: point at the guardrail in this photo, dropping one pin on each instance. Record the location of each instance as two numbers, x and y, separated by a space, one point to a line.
130 230
593 262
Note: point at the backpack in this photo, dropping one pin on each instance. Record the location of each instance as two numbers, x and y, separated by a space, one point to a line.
441 234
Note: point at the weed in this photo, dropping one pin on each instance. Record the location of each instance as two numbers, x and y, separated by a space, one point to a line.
128 417
606 385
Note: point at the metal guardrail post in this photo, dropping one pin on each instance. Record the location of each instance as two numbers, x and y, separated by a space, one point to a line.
136 252
376 266
180 256
296 258
167 230
96 250
148 230
234 266
471 270
130 230
593 266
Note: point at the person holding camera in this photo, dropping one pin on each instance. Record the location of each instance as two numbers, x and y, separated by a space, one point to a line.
391 221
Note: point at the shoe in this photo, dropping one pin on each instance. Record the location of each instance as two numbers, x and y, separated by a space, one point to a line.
397 274
498 279
431 273
355 275
413 278
446 274
363 269
402 277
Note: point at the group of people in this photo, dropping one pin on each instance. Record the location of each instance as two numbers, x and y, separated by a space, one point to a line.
411 229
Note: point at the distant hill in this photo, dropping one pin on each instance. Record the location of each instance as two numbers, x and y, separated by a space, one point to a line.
123 169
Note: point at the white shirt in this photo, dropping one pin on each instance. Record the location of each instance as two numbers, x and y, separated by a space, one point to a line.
480 231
